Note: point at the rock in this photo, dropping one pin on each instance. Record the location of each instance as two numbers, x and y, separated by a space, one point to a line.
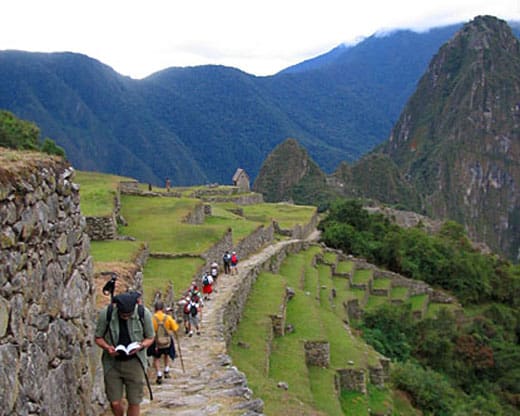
282 385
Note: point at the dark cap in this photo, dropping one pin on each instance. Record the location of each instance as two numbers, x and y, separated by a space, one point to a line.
125 302
159 305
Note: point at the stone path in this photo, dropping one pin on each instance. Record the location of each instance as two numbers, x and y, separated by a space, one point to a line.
210 385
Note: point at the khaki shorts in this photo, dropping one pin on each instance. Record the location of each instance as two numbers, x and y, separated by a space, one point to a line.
125 374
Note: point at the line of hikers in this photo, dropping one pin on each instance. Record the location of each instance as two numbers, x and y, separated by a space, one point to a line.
128 333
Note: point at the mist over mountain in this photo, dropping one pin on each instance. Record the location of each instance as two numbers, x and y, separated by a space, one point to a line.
199 124
454 152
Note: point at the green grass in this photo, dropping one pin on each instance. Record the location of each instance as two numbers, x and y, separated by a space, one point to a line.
265 298
380 400
222 219
286 215
323 391
374 302
381 283
97 192
362 276
158 273
345 267
169 234
418 302
358 294
353 403
399 292
115 250
330 257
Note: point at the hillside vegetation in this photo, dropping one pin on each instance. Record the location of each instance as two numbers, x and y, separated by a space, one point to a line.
197 125
473 357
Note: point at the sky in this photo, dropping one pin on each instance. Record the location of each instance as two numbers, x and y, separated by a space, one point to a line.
139 37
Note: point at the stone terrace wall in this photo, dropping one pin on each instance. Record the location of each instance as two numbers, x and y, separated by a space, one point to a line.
254 241
233 310
102 228
47 358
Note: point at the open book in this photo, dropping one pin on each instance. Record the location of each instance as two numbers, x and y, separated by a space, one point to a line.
128 350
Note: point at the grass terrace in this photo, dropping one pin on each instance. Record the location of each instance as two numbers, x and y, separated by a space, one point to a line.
313 315
287 216
345 267
98 192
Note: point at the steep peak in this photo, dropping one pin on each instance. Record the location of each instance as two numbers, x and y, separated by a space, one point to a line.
283 169
483 32
458 138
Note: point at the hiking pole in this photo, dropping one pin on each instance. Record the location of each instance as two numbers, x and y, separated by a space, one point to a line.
180 352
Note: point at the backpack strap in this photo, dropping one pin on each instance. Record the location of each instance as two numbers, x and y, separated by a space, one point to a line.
110 309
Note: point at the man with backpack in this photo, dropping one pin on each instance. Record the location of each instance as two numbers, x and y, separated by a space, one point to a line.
124 325
164 326
192 310
226 260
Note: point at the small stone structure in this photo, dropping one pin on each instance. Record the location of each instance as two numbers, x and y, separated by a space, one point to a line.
317 353
101 228
48 364
241 180
353 379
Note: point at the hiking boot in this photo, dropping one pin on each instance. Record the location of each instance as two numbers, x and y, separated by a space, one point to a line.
159 380
198 332
190 334
186 330
166 374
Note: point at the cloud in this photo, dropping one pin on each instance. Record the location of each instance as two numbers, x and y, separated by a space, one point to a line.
260 37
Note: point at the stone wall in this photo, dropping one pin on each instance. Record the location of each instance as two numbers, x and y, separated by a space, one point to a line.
317 353
129 187
102 228
233 310
254 241
353 379
47 357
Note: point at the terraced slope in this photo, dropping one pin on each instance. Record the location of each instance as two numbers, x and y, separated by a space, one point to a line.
310 304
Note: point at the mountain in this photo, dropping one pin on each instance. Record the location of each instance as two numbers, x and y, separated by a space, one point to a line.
199 124
288 173
375 177
458 138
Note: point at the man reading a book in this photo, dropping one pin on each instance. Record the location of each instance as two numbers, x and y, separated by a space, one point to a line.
120 325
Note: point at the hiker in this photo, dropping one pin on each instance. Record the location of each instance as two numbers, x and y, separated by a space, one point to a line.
213 272
168 184
234 262
164 326
185 313
226 260
193 310
194 290
207 285
124 324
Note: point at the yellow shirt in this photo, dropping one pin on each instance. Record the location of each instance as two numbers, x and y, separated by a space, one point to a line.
169 323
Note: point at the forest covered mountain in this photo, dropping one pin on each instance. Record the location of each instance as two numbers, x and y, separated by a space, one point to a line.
199 124
458 138
454 151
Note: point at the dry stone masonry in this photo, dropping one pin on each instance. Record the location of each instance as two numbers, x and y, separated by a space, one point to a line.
47 360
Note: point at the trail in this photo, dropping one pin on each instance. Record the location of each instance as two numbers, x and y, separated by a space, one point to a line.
211 385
